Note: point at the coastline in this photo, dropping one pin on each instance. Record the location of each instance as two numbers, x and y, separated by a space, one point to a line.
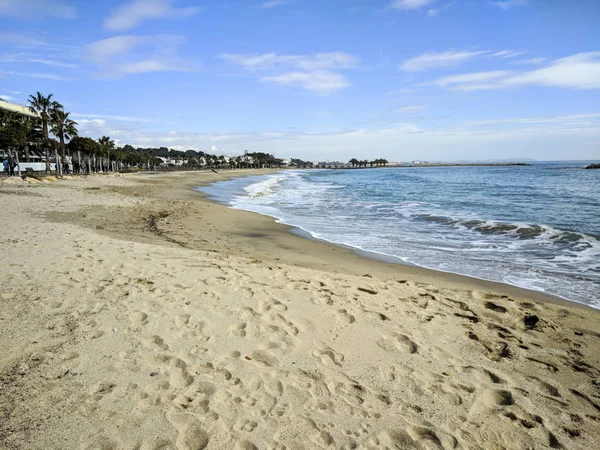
136 313
346 259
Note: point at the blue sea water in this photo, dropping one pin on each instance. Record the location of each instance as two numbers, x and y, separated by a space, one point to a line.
536 227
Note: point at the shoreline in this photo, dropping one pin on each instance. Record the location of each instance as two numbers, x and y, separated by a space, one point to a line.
135 313
455 279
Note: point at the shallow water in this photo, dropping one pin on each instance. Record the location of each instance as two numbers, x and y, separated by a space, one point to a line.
536 227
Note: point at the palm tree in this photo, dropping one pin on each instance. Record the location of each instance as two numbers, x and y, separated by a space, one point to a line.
354 162
30 132
43 105
108 146
63 128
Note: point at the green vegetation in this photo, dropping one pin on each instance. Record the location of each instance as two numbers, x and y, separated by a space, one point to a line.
19 135
364 163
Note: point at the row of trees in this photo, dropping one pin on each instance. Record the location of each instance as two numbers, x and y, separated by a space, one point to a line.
24 135
364 163
54 134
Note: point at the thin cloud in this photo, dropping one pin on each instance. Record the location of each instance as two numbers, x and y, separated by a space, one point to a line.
532 61
119 56
313 72
34 60
316 61
45 76
322 81
134 13
77 115
273 4
450 58
406 5
504 54
571 119
411 108
579 71
37 9
509 4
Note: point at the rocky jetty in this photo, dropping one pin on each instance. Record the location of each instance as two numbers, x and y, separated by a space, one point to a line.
593 166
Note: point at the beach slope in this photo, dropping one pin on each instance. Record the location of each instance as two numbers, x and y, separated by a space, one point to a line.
135 314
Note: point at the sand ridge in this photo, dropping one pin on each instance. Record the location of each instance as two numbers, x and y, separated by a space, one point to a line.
120 333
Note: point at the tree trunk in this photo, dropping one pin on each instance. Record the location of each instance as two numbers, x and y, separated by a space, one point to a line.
27 157
89 161
57 162
78 161
46 152
18 164
62 146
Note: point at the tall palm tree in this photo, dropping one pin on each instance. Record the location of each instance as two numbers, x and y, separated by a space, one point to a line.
43 105
63 128
107 146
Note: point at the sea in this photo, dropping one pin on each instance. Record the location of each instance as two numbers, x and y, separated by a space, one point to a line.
534 226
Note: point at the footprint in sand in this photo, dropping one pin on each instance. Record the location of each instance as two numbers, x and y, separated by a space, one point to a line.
404 343
343 316
328 356
191 435
265 358
138 319
237 329
182 320
155 343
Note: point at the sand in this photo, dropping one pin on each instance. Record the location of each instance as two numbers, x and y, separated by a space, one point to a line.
134 314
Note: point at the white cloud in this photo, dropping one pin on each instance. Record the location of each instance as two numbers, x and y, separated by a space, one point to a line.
128 54
321 81
409 4
7 98
27 59
508 4
37 9
541 138
78 116
579 71
102 51
469 81
450 58
532 61
135 12
504 54
312 72
574 119
412 108
273 4
317 61
45 76
150 65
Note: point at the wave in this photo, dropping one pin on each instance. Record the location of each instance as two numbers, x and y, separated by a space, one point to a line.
264 188
446 231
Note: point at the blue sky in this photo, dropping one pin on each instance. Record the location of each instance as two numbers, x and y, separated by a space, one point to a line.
400 79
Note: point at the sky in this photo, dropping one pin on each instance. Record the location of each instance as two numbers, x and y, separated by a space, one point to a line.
436 80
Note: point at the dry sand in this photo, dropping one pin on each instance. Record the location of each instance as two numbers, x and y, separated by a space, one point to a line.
134 314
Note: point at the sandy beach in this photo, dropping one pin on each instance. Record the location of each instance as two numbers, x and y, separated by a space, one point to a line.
136 314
